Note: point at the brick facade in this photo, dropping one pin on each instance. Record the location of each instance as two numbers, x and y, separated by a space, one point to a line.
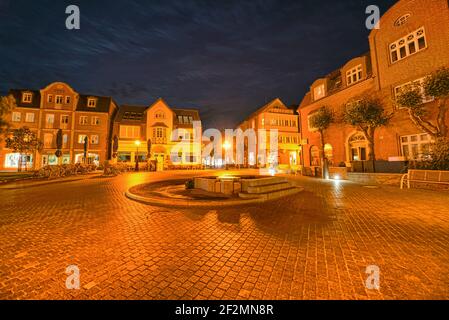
382 72
55 107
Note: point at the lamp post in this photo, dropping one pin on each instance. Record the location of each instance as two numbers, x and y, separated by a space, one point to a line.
226 147
137 143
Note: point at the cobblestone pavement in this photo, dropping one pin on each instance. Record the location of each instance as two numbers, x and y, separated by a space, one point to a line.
315 245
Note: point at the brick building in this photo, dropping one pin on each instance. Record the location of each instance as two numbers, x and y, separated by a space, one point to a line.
412 42
55 107
170 130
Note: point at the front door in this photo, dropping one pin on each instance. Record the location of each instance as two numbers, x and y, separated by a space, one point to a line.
159 157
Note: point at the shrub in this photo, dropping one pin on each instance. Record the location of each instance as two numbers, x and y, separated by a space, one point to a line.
114 169
439 157
190 184
65 170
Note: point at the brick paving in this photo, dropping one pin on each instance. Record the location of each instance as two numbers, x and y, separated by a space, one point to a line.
315 245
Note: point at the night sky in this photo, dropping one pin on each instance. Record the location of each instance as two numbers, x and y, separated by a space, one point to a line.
226 58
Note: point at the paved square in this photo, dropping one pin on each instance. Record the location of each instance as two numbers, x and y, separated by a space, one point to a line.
315 245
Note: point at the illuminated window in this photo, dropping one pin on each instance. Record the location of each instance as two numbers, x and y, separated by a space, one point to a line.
130 132
409 45
16 117
91 102
416 147
27 97
48 140
81 138
319 92
314 156
29 117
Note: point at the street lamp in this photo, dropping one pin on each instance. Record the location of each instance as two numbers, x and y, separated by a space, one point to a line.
137 143
226 147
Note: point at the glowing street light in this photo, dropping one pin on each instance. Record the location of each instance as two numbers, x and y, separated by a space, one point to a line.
137 143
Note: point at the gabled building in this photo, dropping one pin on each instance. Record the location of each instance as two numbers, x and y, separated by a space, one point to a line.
275 115
170 132
58 106
412 42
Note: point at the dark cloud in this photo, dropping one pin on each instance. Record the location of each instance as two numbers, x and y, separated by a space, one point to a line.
226 58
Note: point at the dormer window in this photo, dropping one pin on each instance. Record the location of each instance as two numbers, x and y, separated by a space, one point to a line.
91 102
27 97
354 75
319 92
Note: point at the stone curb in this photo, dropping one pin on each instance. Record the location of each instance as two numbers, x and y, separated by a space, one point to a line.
14 185
178 203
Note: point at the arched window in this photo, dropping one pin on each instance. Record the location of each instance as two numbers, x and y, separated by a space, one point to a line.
315 156
402 20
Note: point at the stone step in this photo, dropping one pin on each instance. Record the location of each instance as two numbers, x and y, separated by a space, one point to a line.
261 182
269 188
271 195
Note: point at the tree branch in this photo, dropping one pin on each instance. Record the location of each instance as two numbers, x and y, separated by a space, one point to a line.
423 125
441 120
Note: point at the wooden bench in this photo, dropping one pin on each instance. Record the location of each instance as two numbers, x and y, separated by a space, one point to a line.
425 176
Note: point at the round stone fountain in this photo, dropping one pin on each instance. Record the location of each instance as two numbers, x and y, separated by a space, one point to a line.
214 191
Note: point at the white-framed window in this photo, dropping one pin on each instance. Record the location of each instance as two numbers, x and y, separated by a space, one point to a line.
94 139
16 116
13 160
319 92
159 133
49 120
64 119
416 146
130 132
48 140
83 120
419 83
59 100
91 102
263 122
81 138
95 121
67 99
27 97
402 20
29 117
408 45
50 98
354 75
